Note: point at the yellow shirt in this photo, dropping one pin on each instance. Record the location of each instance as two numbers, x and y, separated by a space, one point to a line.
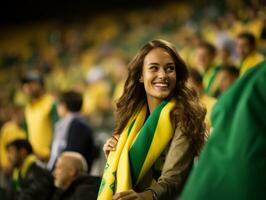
9 132
250 61
40 125
208 102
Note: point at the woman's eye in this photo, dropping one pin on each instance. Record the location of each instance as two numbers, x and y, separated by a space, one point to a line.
153 68
170 68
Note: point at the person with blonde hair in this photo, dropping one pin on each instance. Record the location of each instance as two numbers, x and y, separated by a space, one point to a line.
71 180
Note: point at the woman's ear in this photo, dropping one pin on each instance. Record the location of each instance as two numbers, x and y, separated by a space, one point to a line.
141 79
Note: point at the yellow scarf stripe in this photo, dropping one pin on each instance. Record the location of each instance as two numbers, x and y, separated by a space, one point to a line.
117 174
163 134
108 184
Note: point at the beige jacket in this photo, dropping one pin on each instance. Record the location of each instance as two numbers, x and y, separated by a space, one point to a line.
176 168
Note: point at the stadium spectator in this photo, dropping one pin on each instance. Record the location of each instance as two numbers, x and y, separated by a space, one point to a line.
40 115
31 180
72 132
246 48
205 56
71 180
206 100
10 131
227 75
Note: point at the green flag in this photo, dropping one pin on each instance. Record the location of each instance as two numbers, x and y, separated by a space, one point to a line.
233 162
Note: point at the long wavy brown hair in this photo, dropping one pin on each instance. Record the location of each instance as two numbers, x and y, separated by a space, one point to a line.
188 114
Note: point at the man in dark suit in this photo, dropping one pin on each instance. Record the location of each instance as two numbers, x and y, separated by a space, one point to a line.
72 132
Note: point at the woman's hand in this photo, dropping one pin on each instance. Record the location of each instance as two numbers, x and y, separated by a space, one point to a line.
132 195
110 145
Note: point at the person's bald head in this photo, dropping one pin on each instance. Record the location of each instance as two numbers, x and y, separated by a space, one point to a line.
68 167
75 160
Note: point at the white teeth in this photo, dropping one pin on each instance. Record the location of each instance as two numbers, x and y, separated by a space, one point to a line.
161 84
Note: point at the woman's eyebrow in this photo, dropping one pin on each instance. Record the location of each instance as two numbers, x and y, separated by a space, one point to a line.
170 63
153 63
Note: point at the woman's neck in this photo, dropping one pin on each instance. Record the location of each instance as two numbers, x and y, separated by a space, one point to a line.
153 103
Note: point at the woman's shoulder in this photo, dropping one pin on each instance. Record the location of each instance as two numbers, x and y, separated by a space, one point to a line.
178 133
180 140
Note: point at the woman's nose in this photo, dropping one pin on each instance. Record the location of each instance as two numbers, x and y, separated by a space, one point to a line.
162 73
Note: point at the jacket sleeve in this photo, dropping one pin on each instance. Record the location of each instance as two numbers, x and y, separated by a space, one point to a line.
176 168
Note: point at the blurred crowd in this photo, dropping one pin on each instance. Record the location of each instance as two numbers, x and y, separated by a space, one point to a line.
45 64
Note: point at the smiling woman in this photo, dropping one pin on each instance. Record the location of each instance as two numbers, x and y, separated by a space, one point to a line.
158 76
159 128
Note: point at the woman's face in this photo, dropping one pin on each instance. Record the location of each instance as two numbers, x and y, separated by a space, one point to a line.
158 74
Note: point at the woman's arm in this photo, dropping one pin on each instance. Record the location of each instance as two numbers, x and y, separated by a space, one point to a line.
176 168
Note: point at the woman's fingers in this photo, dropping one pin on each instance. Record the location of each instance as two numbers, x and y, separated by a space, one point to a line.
110 145
127 195
112 142
116 137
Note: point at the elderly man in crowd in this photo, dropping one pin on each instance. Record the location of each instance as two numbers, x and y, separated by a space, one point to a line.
71 180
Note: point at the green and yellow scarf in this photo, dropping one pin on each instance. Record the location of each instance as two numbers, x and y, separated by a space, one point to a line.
140 145
20 173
